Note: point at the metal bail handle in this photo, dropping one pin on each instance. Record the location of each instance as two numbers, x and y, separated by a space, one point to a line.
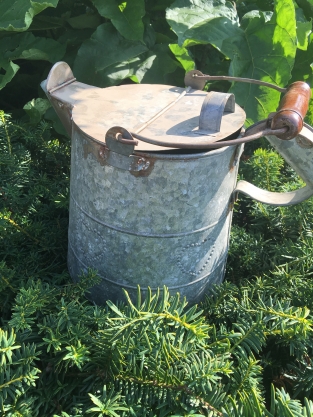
287 122
292 109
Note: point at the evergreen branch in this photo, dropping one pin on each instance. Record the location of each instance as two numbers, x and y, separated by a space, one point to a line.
7 283
3 117
20 229
246 374
177 388
13 381
291 317
255 330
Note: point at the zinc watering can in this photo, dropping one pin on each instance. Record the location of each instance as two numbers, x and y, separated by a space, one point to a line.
154 178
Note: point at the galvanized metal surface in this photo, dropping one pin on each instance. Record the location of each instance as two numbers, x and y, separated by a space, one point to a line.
146 217
170 227
298 152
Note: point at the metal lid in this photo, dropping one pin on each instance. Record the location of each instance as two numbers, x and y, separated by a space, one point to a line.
159 112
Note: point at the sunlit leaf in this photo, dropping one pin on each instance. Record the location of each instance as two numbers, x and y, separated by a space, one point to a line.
183 15
17 15
182 55
106 47
126 16
304 28
263 48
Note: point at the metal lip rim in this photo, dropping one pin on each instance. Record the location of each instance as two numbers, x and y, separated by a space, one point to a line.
158 155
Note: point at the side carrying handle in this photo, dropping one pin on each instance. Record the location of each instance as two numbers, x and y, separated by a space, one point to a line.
295 150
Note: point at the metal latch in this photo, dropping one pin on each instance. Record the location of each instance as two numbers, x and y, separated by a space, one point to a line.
119 150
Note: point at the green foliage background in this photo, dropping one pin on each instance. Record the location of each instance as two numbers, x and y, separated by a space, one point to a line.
247 350
112 42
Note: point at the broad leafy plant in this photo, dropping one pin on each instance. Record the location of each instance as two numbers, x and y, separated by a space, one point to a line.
246 351
109 42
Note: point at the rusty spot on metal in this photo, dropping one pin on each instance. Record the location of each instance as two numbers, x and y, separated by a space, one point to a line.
231 204
232 162
147 171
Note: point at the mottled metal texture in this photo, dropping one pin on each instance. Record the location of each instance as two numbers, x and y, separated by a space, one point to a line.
298 152
155 216
152 216
167 225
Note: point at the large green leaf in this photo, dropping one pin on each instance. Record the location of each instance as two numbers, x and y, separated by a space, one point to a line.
126 16
156 66
36 108
85 21
9 69
115 73
150 67
214 31
307 7
303 31
183 15
17 15
304 28
106 48
182 55
27 46
302 70
265 51
262 48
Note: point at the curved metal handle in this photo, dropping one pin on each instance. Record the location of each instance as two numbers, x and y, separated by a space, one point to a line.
292 109
272 198
302 155
212 110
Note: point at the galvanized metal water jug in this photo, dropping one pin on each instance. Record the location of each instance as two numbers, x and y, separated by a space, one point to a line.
150 200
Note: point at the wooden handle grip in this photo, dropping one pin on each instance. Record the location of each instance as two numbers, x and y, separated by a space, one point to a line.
292 110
